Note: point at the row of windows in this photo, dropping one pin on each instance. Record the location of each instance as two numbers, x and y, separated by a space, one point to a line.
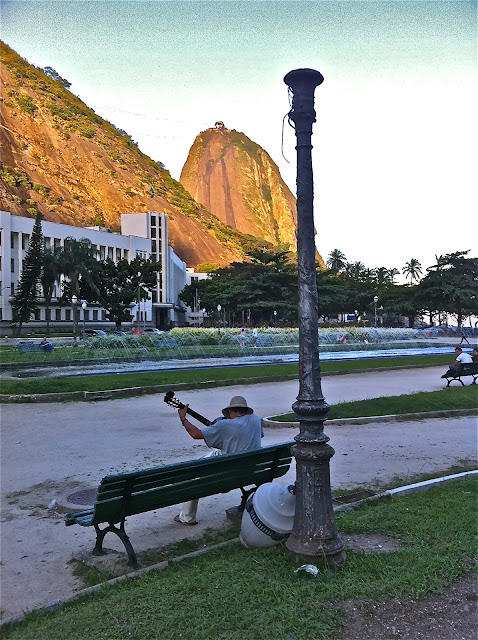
102 251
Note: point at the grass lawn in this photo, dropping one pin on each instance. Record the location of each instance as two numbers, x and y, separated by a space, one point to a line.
233 593
153 378
441 400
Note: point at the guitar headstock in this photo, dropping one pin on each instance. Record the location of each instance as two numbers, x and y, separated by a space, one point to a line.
172 401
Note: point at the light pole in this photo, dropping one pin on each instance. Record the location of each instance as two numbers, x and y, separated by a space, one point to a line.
275 316
74 301
314 533
219 318
375 300
83 306
138 318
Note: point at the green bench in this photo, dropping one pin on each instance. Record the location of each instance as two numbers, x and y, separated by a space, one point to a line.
166 342
127 494
467 369
28 347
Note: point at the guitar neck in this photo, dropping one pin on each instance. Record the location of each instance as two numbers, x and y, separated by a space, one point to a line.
198 416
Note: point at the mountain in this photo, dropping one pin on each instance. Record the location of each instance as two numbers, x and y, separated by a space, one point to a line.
234 178
62 159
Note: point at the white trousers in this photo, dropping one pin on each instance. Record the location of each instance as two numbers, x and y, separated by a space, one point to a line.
189 509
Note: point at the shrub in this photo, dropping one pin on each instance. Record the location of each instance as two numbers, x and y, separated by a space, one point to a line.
86 132
26 104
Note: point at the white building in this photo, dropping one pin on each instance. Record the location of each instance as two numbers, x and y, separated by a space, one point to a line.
142 234
196 315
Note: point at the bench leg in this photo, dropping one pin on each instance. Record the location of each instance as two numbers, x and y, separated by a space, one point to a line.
121 533
450 380
245 496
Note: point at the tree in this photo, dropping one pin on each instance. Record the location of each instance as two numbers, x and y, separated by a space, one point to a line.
336 260
54 75
77 262
49 275
121 283
26 298
412 270
274 278
450 286
392 274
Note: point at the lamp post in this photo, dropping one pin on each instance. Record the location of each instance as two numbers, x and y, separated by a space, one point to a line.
275 316
314 533
375 300
138 317
219 318
74 301
83 306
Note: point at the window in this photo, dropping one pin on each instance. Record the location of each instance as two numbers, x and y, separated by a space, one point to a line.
37 314
25 241
110 253
95 315
155 295
12 240
12 288
12 265
153 246
102 252
47 314
118 255
58 314
153 233
86 315
67 314
56 243
47 243
153 221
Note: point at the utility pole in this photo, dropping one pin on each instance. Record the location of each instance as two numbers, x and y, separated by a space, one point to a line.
314 533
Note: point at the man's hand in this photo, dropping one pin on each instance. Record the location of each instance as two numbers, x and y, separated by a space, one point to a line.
182 412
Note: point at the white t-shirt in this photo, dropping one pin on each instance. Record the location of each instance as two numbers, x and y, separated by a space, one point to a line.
464 358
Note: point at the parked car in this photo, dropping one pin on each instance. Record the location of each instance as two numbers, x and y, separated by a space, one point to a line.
93 333
151 330
116 333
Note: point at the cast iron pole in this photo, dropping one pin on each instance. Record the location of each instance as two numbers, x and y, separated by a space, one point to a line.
314 533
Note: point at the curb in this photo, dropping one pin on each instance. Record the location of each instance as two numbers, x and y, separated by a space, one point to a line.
402 417
399 491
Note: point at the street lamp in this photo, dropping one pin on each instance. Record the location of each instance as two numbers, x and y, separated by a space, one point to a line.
74 301
275 316
83 306
219 318
314 533
375 300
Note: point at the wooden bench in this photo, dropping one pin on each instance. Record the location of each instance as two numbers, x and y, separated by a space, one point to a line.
28 347
467 369
126 494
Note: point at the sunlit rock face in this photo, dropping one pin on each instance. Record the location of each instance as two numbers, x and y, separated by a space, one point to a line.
235 179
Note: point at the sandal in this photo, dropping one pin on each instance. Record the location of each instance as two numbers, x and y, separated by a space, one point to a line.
176 519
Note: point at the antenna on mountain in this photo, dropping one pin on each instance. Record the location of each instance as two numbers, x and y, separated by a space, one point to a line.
219 125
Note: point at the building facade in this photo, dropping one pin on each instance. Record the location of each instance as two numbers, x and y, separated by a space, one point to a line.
144 235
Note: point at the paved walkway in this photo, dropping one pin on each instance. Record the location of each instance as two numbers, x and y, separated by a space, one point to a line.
50 451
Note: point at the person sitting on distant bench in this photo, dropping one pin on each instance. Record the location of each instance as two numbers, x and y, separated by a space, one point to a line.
46 345
474 355
461 359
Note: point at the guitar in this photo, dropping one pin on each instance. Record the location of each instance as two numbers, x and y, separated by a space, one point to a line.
174 402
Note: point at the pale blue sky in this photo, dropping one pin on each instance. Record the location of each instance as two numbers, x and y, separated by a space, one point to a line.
396 137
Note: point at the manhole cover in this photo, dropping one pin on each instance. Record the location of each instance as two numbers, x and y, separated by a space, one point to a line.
84 497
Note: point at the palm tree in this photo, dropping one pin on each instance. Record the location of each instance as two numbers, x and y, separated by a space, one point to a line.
336 260
392 274
49 275
413 270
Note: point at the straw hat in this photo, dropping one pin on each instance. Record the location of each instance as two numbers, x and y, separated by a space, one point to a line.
237 402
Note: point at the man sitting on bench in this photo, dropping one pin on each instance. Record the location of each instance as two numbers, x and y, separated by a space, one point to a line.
239 430
461 358
46 345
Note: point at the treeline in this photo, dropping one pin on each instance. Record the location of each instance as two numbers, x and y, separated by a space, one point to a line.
252 291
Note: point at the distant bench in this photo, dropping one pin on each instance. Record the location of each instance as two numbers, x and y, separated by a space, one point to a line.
259 341
126 494
466 369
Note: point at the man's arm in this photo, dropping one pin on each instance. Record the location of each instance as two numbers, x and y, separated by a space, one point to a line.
193 431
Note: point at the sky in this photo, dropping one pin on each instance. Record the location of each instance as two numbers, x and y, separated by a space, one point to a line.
395 140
